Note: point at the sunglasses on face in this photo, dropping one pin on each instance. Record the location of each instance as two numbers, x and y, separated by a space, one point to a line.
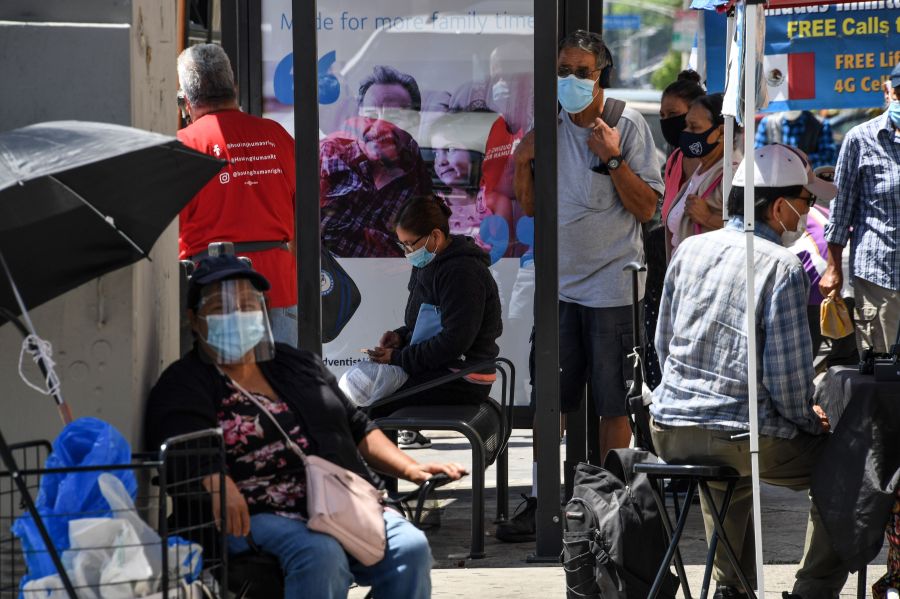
581 72
809 200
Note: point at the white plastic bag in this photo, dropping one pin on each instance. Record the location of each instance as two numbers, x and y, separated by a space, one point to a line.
365 382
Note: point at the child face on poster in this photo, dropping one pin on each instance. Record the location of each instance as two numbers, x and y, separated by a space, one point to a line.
452 164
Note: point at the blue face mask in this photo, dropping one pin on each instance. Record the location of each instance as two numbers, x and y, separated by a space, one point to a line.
233 335
421 257
894 112
575 94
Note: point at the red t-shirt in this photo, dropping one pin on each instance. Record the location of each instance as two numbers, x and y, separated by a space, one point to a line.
497 166
251 199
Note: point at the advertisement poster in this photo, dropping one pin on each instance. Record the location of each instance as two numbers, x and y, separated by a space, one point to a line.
415 97
831 56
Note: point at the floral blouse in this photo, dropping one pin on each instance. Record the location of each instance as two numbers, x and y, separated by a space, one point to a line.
270 476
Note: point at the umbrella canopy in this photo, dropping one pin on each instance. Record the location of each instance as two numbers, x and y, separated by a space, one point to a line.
81 199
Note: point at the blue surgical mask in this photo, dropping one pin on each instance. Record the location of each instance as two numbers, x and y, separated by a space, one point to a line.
233 335
575 94
894 112
421 257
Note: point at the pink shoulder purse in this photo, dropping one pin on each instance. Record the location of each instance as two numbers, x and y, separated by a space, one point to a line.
339 502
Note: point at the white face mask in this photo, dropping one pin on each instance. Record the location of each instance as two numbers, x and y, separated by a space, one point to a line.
792 115
789 238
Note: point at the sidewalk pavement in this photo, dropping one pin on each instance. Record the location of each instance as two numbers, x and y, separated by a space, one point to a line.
505 572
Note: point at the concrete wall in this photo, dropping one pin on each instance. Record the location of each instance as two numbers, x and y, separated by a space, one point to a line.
111 61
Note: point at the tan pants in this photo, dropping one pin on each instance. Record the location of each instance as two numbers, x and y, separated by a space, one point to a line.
782 462
877 315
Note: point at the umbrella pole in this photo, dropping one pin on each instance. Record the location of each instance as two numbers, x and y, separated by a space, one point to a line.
65 412
750 67
727 172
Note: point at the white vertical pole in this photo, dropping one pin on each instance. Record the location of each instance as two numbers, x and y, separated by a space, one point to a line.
728 169
750 60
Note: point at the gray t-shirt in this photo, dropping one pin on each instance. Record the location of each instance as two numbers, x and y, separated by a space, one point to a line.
597 236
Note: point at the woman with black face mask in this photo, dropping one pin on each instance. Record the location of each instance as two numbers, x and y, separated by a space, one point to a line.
673 107
697 207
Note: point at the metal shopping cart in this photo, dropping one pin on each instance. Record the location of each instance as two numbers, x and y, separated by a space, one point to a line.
171 497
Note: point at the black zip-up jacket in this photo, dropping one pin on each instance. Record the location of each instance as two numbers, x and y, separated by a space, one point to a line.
460 284
187 396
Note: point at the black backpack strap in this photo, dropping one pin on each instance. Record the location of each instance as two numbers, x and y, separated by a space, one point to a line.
612 111
620 462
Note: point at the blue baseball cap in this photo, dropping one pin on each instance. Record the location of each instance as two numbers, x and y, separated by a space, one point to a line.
220 268
895 76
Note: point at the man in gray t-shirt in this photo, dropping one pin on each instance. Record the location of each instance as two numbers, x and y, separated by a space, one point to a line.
609 183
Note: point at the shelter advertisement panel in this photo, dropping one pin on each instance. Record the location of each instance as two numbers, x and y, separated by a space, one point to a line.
415 97
824 56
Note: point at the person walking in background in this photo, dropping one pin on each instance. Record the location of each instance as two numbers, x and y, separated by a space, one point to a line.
801 129
251 202
868 204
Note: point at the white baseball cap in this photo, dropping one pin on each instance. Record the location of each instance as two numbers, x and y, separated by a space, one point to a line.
778 165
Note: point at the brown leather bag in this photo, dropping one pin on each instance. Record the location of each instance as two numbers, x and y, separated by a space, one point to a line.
339 502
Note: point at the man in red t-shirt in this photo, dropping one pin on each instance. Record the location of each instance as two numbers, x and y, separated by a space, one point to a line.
251 202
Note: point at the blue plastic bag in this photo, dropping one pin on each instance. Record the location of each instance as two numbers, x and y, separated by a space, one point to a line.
68 496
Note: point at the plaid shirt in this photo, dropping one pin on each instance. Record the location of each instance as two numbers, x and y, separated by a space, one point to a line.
868 202
702 343
792 133
357 217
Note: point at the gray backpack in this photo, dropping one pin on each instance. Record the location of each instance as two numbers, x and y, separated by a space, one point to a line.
613 537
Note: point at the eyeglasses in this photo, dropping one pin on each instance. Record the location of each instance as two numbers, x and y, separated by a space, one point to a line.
408 247
810 200
581 72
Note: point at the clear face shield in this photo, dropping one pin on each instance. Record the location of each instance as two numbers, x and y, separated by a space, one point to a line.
233 324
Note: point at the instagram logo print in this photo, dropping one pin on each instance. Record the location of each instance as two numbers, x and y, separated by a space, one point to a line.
224 178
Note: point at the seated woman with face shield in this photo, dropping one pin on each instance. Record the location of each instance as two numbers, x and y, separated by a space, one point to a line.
233 374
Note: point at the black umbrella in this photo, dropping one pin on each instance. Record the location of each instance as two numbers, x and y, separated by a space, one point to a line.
81 199
78 200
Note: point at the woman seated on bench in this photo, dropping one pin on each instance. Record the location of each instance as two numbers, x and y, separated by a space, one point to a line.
453 316
265 495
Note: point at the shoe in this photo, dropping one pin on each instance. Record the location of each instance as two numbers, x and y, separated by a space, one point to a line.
520 528
786 595
726 592
413 440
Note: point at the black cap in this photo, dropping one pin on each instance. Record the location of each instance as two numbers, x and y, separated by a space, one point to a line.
219 268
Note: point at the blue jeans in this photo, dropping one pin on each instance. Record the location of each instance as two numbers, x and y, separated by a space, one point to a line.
284 324
315 564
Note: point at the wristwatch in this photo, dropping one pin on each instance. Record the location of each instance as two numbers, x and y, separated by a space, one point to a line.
614 162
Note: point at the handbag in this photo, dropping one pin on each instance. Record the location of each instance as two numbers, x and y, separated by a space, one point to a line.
834 318
339 503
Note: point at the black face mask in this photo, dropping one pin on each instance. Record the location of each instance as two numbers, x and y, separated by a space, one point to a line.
694 145
672 128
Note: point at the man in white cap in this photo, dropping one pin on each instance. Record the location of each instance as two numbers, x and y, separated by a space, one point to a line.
701 405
